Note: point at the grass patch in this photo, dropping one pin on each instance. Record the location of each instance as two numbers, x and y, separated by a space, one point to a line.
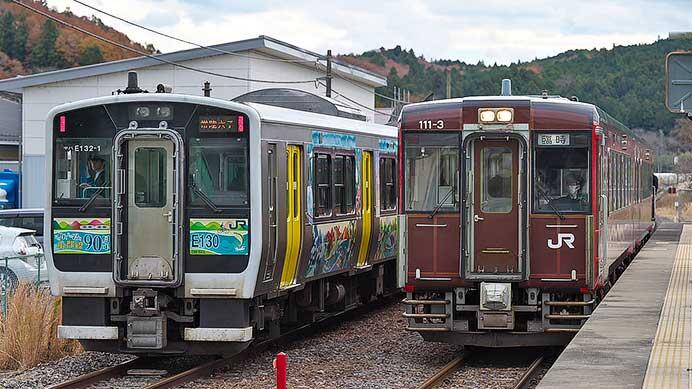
28 335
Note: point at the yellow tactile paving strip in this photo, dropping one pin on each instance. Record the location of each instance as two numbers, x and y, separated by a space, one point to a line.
669 363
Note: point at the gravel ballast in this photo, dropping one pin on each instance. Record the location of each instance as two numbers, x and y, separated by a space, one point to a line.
51 373
362 350
370 351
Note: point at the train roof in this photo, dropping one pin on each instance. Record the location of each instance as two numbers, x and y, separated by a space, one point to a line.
272 114
579 114
266 113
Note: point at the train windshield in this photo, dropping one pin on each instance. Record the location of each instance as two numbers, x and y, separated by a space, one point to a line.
219 171
562 173
82 168
432 166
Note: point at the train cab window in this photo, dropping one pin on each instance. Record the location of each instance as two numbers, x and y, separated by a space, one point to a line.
387 184
219 171
431 172
82 168
323 187
344 184
562 175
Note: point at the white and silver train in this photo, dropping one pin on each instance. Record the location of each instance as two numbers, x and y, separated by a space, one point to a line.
189 224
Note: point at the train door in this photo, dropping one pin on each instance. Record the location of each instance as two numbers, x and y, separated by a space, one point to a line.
293 215
603 204
495 211
271 244
147 187
367 209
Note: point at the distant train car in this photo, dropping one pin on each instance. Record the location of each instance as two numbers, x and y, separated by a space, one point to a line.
517 214
188 224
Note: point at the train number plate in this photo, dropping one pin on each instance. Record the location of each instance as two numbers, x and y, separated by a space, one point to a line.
553 140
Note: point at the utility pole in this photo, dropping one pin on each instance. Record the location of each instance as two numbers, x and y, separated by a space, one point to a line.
449 84
329 73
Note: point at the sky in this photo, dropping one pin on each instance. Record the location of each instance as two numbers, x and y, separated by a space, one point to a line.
494 31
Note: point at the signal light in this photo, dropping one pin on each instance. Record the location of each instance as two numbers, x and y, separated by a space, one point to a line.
63 124
408 288
583 290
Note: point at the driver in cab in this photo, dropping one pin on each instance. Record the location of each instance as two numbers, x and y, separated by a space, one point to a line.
97 178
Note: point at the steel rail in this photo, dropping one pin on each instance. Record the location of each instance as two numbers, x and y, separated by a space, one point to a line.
444 372
526 377
88 379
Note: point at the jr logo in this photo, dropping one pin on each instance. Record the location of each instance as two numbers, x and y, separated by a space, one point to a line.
566 238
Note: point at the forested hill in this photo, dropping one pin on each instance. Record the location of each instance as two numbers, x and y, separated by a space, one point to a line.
29 43
626 81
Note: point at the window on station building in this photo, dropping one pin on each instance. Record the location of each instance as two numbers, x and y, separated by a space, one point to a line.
323 185
344 184
561 173
387 184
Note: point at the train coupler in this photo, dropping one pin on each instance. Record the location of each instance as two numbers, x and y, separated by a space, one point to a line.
146 323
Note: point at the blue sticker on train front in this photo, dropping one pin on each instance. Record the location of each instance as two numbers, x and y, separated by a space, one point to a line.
219 237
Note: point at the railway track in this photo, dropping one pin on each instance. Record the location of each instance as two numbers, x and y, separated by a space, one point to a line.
455 364
141 366
138 373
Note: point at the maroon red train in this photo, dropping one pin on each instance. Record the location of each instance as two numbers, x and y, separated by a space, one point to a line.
516 215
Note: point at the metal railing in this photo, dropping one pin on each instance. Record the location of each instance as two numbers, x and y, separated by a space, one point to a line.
7 285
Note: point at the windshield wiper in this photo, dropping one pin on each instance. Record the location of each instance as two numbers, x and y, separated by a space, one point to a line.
560 215
205 199
441 203
91 200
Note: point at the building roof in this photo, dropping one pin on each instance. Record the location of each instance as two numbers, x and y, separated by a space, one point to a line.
264 44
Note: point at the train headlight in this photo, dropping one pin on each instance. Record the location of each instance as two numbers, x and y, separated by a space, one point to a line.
504 115
495 115
486 116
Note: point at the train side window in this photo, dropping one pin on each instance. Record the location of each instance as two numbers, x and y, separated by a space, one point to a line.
323 186
617 181
621 183
610 183
344 184
387 184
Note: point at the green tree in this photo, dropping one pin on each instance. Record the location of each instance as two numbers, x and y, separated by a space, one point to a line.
20 39
7 33
44 53
90 55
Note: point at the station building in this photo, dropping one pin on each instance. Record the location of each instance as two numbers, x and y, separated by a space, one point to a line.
254 59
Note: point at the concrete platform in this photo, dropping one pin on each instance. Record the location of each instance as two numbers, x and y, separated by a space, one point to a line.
613 348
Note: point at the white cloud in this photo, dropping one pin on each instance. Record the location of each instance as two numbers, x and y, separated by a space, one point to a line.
499 31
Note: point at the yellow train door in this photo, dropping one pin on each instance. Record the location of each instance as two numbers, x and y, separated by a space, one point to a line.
293 216
367 209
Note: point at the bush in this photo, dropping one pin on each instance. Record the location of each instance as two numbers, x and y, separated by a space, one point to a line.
28 335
